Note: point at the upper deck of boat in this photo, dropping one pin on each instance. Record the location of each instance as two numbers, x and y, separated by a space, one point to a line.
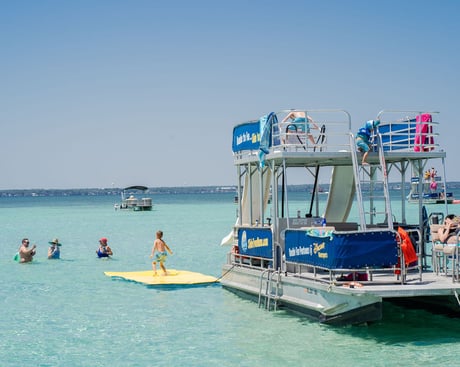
298 158
335 140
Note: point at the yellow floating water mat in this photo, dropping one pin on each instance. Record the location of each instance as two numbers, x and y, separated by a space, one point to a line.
174 277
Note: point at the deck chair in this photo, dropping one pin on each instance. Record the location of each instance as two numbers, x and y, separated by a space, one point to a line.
295 134
451 253
435 221
443 253
437 249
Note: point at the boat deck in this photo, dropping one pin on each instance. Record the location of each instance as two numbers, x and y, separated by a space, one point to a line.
295 157
386 285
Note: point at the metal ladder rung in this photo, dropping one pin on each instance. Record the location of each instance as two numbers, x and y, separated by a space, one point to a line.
374 174
267 294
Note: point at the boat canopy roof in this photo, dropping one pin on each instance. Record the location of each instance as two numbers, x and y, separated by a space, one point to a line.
137 187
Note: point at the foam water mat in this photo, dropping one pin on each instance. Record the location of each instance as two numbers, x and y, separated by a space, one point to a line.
173 277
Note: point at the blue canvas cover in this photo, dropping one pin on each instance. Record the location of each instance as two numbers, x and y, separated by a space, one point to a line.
342 251
246 136
255 242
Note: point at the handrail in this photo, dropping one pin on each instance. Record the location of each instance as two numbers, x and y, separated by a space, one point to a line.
359 195
383 168
298 135
399 131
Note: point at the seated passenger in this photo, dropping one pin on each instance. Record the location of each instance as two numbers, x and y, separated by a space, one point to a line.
448 232
298 122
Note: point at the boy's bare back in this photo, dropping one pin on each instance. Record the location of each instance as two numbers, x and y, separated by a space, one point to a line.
159 245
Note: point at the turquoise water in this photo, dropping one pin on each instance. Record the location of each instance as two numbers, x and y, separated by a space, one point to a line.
68 313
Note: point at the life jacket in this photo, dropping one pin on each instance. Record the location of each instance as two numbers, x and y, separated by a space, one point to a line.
407 249
364 133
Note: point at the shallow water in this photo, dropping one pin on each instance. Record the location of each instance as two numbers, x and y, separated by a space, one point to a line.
68 313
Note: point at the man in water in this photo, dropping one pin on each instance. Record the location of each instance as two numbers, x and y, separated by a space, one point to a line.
26 254
160 246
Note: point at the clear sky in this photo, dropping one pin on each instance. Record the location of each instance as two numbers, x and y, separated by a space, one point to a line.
95 93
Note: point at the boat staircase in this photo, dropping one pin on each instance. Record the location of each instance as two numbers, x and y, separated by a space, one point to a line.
371 184
269 289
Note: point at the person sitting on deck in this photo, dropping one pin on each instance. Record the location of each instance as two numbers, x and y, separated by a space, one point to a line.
448 232
296 120
363 138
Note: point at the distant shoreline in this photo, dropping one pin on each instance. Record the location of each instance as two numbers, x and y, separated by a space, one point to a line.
115 191
161 190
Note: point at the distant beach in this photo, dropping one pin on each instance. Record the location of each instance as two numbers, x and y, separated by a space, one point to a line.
114 191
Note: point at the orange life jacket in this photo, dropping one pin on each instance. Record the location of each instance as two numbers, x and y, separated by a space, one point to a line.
407 247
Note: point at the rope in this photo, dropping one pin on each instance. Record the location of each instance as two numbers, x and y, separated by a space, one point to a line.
224 274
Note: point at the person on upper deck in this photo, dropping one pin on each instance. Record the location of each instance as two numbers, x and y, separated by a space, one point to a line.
448 232
363 138
296 119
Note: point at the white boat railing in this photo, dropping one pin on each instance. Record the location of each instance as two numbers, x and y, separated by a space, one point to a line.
323 130
408 130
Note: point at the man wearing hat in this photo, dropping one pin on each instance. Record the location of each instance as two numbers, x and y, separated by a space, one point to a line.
54 251
363 138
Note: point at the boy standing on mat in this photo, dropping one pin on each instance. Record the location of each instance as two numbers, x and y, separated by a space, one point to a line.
160 246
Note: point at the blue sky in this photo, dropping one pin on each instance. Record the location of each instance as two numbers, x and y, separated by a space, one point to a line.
107 92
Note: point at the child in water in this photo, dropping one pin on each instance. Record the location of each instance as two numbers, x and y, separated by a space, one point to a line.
160 247
104 249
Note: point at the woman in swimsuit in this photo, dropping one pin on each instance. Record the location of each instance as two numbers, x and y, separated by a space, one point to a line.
448 232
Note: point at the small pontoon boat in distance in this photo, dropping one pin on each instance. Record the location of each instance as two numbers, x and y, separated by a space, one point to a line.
432 188
340 261
130 202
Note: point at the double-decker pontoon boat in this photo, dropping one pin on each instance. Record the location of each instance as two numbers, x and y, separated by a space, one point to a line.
341 258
